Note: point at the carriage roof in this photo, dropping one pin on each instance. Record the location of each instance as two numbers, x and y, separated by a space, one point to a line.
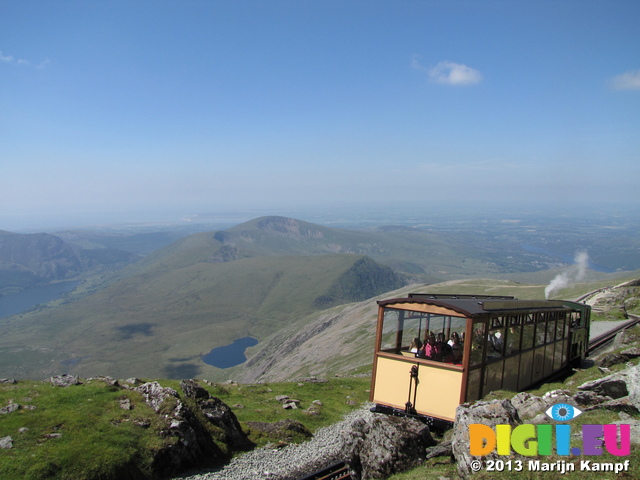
476 305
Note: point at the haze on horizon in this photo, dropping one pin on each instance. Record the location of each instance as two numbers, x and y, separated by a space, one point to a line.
117 111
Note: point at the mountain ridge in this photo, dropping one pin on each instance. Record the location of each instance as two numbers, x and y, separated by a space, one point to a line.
157 318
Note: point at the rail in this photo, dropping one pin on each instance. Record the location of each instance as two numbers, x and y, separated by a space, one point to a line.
337 471
600 340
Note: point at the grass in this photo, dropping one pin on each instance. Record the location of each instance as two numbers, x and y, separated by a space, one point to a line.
76 432
81 432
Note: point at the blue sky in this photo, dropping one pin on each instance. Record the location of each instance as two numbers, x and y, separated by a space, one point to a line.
135 110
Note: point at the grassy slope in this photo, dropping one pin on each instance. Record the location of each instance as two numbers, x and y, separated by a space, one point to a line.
99 440
157 324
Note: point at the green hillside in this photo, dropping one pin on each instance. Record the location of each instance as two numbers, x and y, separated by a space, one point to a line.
290 284
420 255
158 323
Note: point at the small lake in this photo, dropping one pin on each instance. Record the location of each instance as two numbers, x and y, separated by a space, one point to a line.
19 302
229 355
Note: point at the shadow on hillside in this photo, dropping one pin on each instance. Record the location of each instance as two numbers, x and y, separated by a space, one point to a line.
181 371
128 331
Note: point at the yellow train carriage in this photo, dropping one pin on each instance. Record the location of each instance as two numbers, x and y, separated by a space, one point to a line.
434 351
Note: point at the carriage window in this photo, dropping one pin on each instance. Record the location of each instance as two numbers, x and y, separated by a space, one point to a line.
433 337
477 345
392 321
551 328
541 328
560 325
527 333
513 340
495 340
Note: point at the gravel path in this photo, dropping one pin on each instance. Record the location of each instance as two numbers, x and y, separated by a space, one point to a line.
290 462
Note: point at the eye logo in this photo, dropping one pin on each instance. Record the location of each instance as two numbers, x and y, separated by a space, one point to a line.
562 412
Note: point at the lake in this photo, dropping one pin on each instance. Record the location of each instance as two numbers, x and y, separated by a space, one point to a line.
24 300
229 355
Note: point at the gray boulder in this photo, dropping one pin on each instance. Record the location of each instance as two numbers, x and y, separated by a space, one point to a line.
64 380
155 395
617 385
188 444
12 407
489 413
218 413
380 445
528 405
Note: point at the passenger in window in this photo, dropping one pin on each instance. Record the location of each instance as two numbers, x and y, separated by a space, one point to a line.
456 349
496 341
454 336
415 345
430 348
478 339
441 343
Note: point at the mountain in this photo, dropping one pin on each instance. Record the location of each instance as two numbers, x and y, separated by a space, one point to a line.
30 259
282 281
201 292
27 260
419 255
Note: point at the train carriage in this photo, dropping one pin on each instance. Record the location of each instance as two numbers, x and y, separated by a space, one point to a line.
434 351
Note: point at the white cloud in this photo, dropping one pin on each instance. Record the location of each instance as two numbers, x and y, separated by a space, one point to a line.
17 61
627 81
4 58
451 73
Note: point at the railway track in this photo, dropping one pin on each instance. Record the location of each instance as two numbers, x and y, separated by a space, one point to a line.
337 471
602 339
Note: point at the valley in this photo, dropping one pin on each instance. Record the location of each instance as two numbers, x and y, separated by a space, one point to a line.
306 292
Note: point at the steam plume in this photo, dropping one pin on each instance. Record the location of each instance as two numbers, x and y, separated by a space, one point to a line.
575 273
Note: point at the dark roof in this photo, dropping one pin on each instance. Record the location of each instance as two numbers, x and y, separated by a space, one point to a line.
474 305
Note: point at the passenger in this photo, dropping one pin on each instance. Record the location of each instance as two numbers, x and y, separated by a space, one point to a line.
415 345
454 337
456 349
495 338
444 349
447 355
478 339
434 349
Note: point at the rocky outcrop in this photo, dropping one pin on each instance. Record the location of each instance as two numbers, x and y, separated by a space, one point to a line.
379 446
64 380
217 413
190 445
